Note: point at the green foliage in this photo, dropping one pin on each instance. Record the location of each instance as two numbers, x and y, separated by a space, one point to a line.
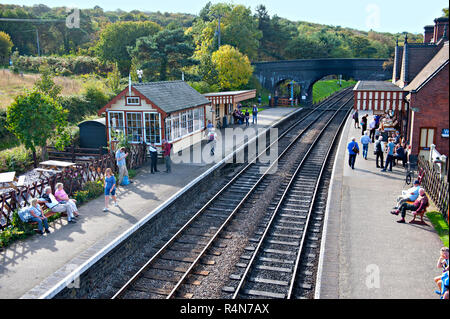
17 159
164 55
46 84
440 225
68 65
34 118
116 37
5 48
233 67
204 87
91 190
113 80
323 89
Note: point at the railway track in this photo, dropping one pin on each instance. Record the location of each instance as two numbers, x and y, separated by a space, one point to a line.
167 271
277 264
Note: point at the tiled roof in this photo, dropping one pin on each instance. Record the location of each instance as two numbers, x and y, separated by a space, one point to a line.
415 57
436 63
376 86
171 96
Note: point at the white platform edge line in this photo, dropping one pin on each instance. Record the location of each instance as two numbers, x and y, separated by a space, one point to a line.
327 212
79 270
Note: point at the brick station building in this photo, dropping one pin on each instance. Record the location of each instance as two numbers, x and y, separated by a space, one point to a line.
420 77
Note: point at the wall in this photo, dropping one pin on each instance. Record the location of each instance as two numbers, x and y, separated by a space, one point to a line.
432 101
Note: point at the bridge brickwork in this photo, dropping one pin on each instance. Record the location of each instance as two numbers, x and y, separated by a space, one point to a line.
308 72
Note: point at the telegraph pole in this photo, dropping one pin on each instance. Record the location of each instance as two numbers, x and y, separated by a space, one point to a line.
37 43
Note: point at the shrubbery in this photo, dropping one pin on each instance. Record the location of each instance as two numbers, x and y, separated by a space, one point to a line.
16 159
90 191
66 65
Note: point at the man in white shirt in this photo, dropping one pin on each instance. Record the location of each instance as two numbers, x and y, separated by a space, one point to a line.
372 127
409 195
55 206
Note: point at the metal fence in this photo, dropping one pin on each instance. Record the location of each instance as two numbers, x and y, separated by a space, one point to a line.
435 184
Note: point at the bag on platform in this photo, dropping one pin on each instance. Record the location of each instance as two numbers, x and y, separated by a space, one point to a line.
125 181
355 150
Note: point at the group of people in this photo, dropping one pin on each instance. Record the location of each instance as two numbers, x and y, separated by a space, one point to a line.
394 147
240 117
59 202
413 199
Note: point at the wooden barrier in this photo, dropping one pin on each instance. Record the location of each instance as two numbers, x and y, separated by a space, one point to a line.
435 185
73 179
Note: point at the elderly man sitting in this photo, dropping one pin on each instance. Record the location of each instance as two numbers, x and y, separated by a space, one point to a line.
55 206
419 207
409 195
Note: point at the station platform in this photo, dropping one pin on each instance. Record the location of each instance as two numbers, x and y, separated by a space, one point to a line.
30 267
366 254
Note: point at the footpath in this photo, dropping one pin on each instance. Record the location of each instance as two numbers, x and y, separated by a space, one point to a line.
29 267
367 253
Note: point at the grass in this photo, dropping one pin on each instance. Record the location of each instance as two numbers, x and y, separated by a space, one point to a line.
323 89
440 224
12 84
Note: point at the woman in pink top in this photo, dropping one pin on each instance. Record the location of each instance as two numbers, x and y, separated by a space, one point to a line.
61 196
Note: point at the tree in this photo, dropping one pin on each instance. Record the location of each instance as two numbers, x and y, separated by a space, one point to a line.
46 84
34 118
116 37
165 54
5 48
445 12
233 68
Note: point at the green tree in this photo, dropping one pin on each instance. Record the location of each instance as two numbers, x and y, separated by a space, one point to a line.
46 84
445 12
233 68
34 118
113 79
116 37
5 48
164 55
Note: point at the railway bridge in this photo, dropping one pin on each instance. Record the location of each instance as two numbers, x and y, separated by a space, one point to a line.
307 72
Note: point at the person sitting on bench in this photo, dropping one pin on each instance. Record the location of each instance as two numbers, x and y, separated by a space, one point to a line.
37 216
419 207
55 206
409 195
62 197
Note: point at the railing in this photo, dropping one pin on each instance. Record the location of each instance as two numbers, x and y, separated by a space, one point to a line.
436 186
73 179
75 154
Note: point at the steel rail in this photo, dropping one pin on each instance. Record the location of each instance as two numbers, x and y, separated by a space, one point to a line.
274 214
308 218
137 275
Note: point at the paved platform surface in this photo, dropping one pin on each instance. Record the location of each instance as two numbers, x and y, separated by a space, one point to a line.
367 253
26 264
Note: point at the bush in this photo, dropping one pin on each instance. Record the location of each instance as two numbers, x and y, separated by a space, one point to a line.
16 159
90 191
66 65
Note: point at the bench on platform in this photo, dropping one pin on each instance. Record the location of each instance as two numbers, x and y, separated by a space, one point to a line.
46 211
419 213
21 181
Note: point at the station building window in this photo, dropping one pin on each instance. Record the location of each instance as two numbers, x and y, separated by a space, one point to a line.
134 127
116 124
152 126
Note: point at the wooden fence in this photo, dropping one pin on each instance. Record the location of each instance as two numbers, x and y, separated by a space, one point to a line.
75 154
435 185
73 179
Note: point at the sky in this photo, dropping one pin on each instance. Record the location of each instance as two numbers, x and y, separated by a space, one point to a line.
379 15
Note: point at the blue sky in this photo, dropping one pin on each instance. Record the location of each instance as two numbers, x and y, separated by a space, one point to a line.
382 15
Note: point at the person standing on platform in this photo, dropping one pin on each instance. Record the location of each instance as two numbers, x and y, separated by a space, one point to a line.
379 152
247 117
353 150
110 188
390 155
121 163
364 124
167 147
356 119
153 158
365 141
372 127
270 100
255 114
212 139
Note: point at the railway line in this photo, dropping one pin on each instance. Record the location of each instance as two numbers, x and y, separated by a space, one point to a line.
272 263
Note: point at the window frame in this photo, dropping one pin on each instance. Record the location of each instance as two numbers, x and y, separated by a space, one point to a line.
145 127
138 103
141 127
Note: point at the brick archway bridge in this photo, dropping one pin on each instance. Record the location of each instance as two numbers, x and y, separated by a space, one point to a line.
307 72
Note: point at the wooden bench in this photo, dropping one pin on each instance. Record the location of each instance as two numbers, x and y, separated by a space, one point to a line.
47 212
418 213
